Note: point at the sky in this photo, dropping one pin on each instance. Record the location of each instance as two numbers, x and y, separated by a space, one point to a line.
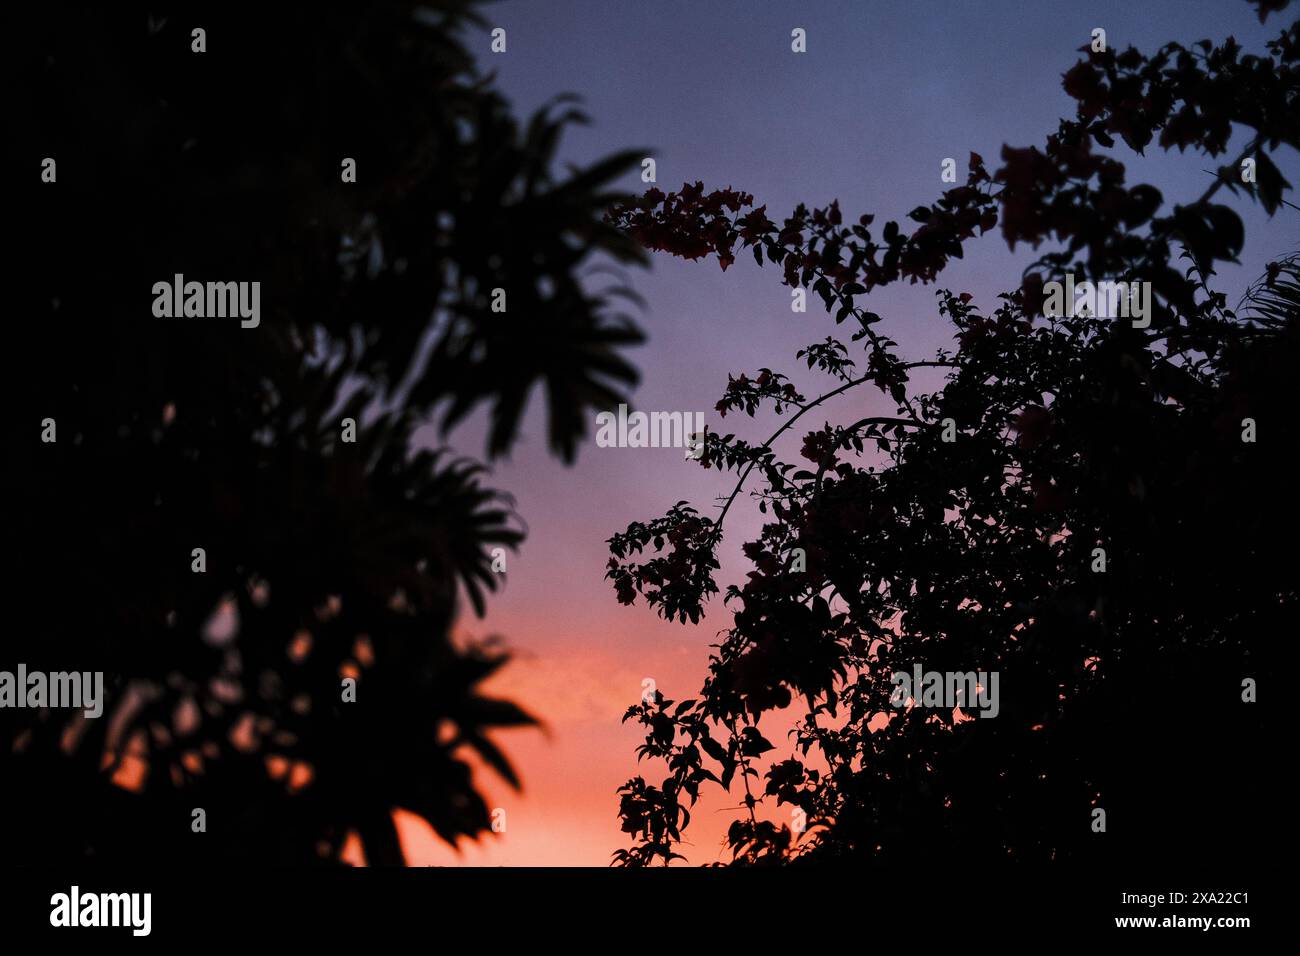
711 89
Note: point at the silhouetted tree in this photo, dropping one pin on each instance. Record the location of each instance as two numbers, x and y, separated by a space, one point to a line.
325 558
964 532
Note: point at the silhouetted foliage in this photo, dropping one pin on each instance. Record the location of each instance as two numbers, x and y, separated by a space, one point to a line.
1120 690
324 558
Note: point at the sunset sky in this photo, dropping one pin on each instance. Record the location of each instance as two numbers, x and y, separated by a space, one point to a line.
711 89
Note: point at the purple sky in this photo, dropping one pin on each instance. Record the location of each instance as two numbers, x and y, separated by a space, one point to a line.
712 89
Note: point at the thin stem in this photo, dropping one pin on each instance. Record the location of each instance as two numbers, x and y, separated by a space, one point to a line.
794 418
